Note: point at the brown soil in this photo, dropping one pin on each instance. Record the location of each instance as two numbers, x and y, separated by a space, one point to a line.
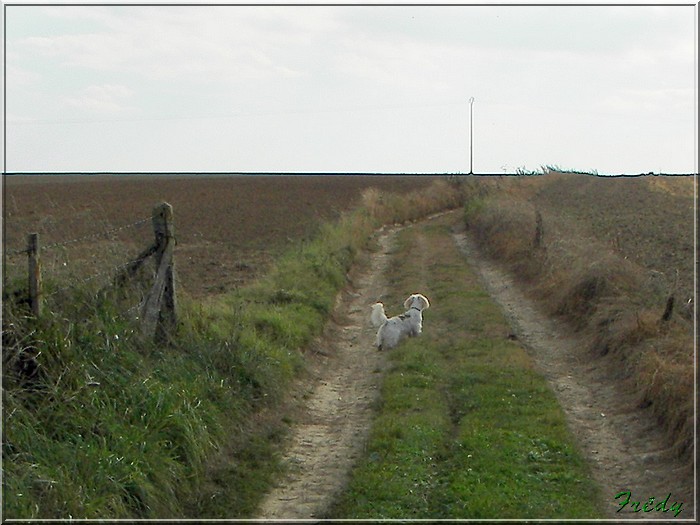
228 228
647 220
624 445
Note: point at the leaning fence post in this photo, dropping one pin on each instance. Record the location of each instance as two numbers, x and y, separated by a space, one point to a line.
159 311
35 296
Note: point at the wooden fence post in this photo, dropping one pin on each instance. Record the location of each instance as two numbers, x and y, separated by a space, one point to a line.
159 315
35 295
668 311
165 228
539 229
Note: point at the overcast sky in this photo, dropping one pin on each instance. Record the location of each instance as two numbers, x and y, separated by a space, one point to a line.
351 89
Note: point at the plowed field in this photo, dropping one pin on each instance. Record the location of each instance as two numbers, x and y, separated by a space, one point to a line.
228 228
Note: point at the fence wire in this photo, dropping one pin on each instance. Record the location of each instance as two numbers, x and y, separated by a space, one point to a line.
105 234
111 272
68 260
89 237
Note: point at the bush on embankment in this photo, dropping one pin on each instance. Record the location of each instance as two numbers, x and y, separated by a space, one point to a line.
98 423
599 292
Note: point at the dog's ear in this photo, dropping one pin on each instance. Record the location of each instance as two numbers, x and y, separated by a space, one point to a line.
417 297
424 299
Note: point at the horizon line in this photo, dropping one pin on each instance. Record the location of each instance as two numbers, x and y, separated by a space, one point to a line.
347 173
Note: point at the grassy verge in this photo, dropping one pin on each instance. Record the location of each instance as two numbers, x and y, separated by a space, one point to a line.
465 428
580 271
99 424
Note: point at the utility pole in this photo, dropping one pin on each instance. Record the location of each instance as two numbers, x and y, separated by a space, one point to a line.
471 136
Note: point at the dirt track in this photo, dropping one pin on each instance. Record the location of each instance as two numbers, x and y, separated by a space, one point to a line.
330 435
624 447
623 443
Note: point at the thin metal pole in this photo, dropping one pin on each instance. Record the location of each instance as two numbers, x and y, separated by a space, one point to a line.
471 136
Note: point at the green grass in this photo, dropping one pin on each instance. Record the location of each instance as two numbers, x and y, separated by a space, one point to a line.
111 426
466 427
117 427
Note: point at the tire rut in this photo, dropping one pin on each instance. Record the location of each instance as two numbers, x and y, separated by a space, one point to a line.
624 445
333 426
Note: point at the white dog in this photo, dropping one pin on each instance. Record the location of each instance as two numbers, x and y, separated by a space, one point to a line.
392 330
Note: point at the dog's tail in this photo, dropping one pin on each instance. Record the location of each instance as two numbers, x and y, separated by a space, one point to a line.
378 317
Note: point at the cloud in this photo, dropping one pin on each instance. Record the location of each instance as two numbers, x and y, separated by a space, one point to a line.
19 76
106 99
653 103
193 43
377 86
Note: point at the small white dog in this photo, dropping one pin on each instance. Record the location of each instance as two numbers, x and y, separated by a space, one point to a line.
392 330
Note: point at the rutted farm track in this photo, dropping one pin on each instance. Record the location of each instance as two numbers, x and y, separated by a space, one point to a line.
623 445
330 435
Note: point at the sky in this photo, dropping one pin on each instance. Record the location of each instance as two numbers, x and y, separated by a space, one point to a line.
381 89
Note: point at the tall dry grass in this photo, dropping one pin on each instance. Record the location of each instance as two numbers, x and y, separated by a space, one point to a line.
601 294
391 208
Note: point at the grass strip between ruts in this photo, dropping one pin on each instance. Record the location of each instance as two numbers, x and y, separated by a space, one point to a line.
466 428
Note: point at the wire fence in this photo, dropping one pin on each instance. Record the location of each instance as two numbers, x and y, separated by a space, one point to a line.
52 275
